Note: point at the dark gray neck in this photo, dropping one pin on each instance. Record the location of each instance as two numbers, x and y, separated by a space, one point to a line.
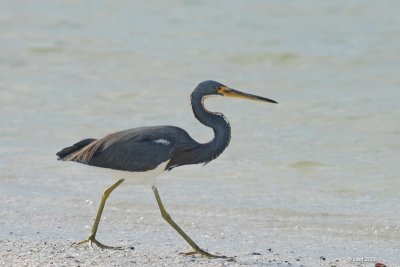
221 127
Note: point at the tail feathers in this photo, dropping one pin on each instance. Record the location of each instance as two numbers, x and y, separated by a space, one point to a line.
75 147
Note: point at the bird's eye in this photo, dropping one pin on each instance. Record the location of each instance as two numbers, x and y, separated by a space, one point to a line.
222 90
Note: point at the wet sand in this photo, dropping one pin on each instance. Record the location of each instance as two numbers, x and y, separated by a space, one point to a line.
39 230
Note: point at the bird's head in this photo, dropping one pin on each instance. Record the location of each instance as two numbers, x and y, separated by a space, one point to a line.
208 88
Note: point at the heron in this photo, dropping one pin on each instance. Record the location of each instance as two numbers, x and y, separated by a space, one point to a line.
162 148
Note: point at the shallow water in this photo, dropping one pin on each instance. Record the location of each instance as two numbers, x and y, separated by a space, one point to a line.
320 170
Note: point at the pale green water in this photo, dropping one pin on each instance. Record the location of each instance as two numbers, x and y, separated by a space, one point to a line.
320 170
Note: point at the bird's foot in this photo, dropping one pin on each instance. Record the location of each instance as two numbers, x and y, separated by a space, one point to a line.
92 240
205 254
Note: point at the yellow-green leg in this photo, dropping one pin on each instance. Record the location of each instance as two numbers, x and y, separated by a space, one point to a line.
167 217
92 237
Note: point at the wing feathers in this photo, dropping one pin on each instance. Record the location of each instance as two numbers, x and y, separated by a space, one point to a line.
138 149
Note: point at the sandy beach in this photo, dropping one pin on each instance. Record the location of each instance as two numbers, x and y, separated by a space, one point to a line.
39 230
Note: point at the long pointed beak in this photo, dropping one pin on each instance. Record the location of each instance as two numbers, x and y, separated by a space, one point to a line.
226 91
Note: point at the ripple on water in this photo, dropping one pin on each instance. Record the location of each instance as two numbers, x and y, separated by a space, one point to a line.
263 57
307 164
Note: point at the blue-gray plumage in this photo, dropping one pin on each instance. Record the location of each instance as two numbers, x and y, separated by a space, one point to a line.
146 148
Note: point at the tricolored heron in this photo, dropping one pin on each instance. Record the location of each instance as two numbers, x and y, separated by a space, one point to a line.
160 147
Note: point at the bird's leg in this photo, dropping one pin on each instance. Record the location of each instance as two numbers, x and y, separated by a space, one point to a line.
92 238
167 217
